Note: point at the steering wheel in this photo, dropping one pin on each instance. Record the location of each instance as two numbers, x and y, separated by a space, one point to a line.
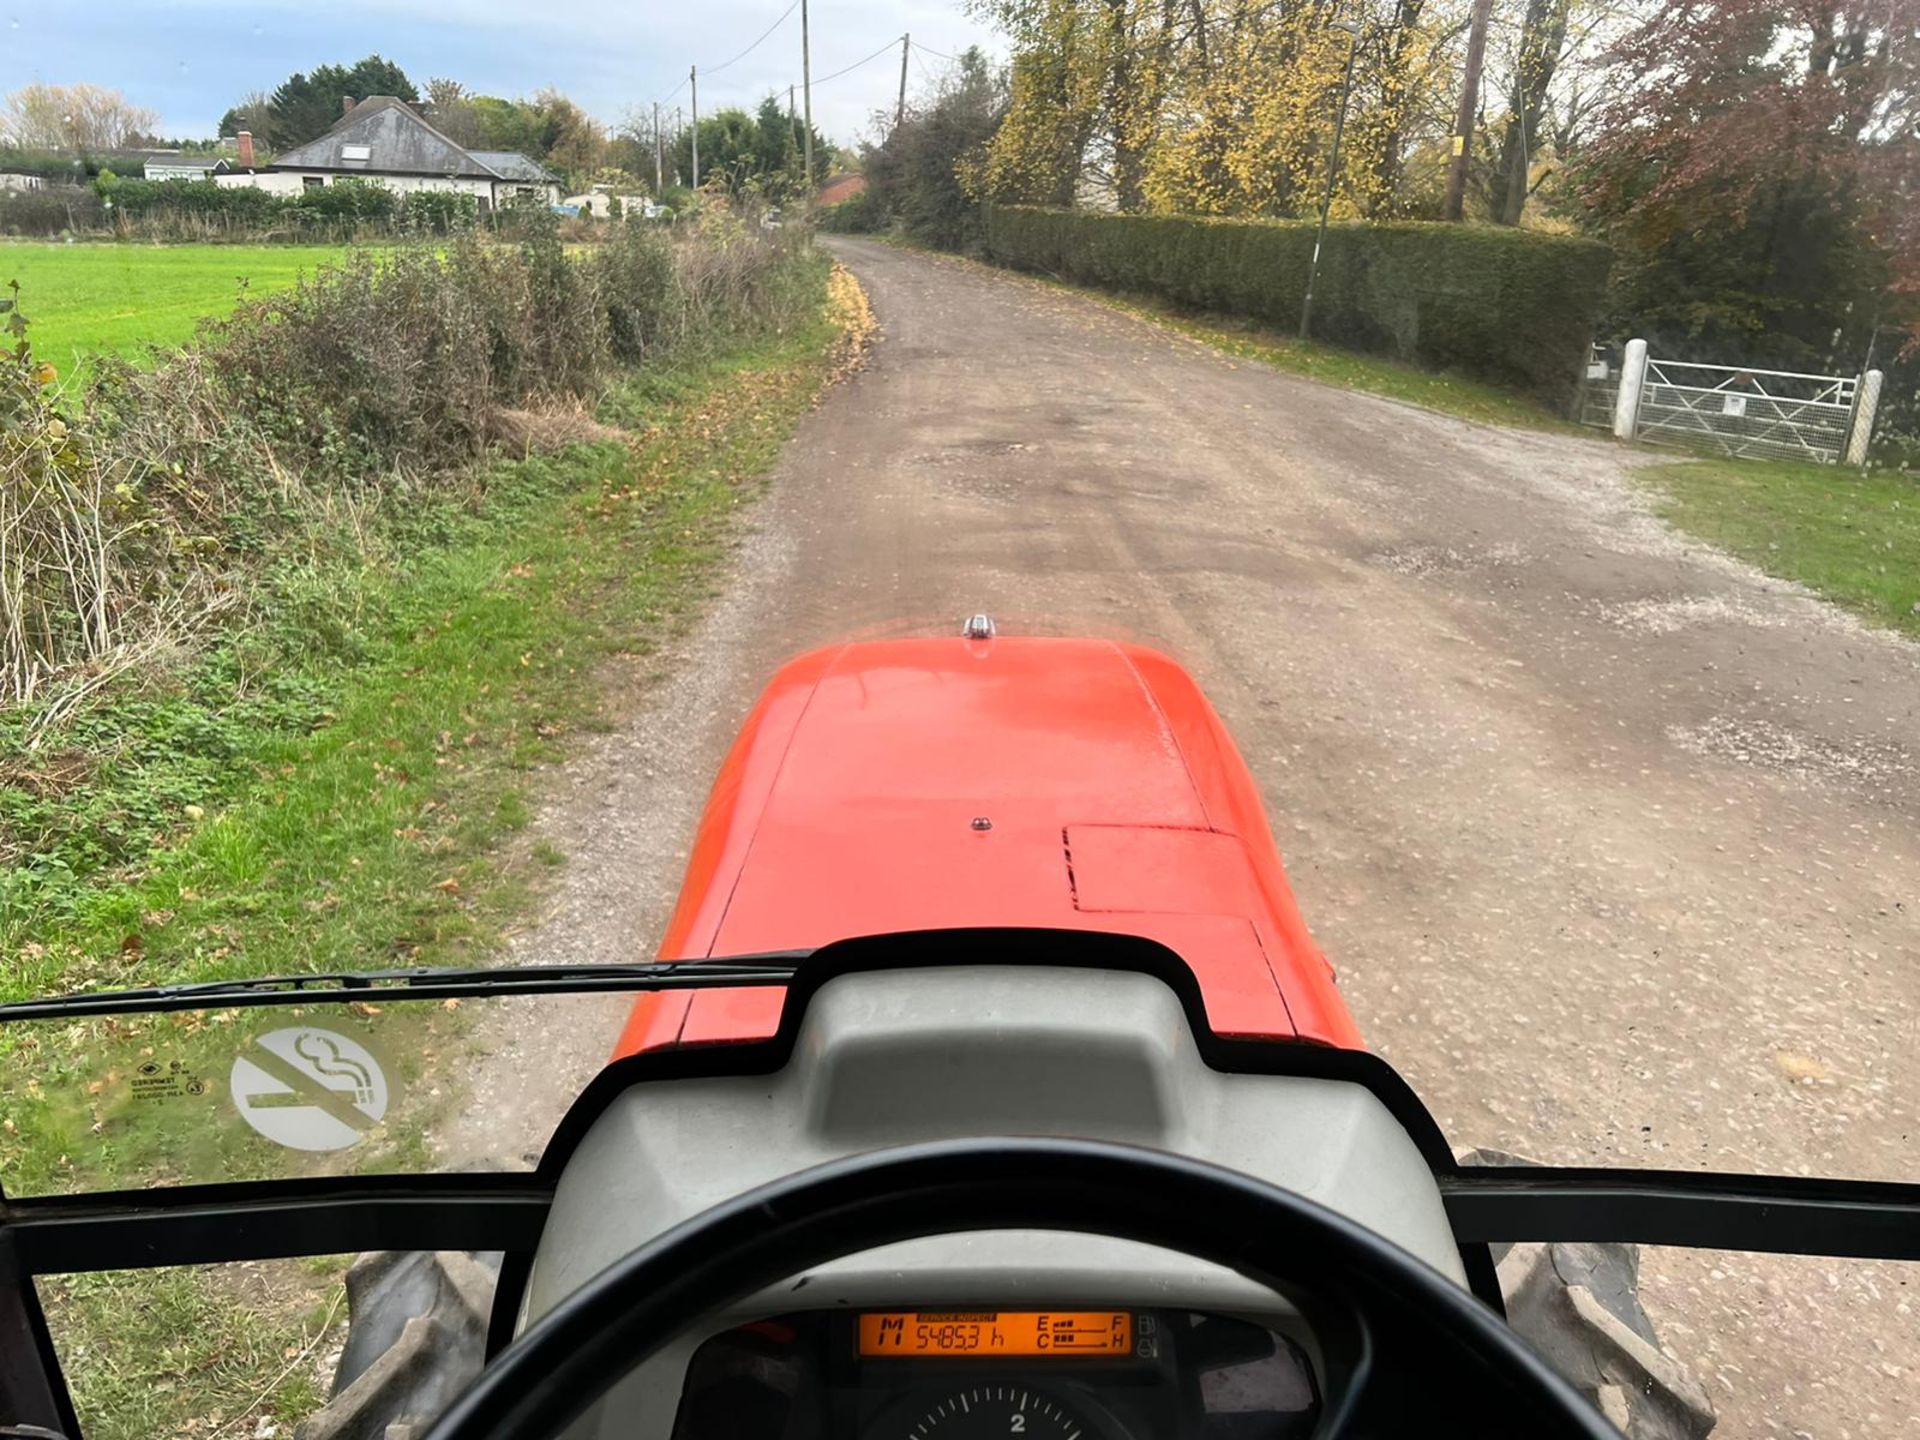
1406 1351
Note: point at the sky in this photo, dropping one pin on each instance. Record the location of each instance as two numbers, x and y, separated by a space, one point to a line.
191 59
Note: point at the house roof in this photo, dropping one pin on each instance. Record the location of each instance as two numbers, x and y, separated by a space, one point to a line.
841 187
384 136
511 165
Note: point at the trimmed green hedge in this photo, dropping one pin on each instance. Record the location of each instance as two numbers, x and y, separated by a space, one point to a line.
1511 306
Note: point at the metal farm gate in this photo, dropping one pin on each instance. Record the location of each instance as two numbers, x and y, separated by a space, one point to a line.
1771 414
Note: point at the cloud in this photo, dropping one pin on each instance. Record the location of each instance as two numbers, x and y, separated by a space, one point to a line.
191 59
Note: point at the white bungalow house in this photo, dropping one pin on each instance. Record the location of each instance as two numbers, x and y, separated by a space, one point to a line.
384 140
172 165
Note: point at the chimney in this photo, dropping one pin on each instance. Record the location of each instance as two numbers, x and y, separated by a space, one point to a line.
245 137
346 105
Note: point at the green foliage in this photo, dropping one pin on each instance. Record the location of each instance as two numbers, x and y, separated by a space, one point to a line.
763 153
347 201
440 212
519 125
1510 306
201 209
305 107
241 205
635 278
862 215
916 178
1772 286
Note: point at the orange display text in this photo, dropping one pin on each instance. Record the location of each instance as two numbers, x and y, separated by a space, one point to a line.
987 1333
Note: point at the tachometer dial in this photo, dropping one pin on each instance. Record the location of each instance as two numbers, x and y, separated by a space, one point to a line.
986 1412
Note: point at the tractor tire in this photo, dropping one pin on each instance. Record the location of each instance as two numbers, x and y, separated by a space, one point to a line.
1578 1305
416 1337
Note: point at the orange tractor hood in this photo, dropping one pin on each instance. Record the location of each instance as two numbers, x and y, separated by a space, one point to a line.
929 784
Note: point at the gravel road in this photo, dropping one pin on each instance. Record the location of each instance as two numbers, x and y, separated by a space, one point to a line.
1613 840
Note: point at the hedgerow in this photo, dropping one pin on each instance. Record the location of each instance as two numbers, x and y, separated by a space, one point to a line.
203 210
145 512
1511 306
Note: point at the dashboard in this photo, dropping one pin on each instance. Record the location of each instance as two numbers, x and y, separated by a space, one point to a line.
972 1373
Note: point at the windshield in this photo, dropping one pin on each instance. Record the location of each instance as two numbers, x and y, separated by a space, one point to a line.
1468 441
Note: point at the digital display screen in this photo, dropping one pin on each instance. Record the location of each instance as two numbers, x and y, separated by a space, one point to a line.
997 1333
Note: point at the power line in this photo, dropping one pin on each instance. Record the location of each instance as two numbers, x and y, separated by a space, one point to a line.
821 80
941 54
716 69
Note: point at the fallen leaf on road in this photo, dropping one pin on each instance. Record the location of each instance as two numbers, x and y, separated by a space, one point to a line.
1802 1069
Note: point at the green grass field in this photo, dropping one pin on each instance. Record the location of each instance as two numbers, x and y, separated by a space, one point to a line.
86 300
1853 538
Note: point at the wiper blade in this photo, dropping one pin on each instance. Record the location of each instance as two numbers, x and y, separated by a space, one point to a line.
417 982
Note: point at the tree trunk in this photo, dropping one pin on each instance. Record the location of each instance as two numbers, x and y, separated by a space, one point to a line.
1124 104
1543 34
1391 156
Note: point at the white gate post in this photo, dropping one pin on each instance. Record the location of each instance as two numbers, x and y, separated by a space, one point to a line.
1862 432
1633 376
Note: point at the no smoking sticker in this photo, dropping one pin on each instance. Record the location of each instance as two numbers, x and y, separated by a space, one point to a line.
309 1089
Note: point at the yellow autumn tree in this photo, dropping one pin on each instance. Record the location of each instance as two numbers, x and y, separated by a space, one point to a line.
1084 103
1220 107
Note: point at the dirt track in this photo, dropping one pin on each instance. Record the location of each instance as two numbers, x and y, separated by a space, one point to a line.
1616 844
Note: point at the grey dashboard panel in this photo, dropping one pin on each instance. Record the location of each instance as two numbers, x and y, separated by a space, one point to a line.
896 1057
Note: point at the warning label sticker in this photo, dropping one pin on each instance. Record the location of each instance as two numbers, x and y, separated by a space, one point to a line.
166 1080
309 1089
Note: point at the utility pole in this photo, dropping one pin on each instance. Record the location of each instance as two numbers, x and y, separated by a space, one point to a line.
806 95
1455 204
900 106
693 78
1333 171
659 181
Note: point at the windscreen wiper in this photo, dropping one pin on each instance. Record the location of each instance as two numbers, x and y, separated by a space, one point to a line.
418 982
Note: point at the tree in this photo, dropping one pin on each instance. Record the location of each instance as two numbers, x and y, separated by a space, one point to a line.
253 114
305 107
450 108
81 119
739 151
776 140
509 125
1543 39
1216 106
1751 171
571 140
726 148
1057 93
921 175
